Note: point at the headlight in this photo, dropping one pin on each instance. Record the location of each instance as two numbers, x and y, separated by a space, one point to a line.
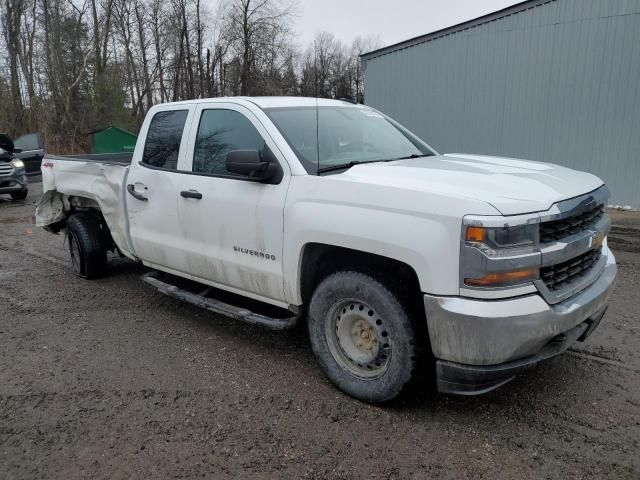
521 236
499 257
17 164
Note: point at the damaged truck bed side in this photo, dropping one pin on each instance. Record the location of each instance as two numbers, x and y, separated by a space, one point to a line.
89 182
400 259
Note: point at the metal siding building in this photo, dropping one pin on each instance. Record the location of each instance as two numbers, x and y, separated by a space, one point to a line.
556 81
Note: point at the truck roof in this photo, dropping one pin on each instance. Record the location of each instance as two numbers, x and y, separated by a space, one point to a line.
274 102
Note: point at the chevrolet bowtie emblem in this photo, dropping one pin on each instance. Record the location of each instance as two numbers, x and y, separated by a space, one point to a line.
597 239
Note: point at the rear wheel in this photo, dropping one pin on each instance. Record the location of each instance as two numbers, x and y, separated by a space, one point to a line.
362 336
21 195
86 248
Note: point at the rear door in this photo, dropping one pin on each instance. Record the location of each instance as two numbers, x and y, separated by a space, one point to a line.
233 233
154 185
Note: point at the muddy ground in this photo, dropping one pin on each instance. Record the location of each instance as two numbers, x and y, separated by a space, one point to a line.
108 379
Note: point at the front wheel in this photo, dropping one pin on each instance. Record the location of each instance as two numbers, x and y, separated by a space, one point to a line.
362 336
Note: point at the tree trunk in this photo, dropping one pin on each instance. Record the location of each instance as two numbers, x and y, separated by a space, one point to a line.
159 55
12 37
187 45
245 77
143 49
201 78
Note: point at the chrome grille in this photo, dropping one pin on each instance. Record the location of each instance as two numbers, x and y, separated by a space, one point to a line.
6 169
559 229
558 276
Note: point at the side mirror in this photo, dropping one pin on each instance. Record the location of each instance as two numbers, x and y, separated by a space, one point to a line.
259 166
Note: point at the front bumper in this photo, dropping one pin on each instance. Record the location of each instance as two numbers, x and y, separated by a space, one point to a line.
13 183
481 344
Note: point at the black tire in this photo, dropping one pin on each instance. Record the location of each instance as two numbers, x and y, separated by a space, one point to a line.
21 195
86 246
334 305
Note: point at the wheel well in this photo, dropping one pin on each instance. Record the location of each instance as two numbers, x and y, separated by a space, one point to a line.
106 239
320 260
82 205
73 205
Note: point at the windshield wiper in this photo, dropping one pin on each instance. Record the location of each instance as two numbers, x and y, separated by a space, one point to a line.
408 157
344 166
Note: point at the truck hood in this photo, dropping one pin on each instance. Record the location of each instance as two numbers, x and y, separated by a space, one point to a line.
510 185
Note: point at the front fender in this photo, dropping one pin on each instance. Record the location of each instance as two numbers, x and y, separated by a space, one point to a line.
393 223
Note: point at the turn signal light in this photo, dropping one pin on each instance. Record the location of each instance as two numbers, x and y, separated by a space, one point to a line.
504 278
475 234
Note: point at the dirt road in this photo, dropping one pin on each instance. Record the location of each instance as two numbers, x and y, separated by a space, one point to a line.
108 379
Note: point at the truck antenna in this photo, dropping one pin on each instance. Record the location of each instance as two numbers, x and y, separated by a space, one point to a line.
315 74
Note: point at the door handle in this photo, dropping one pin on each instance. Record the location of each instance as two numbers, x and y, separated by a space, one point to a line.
132 190
191 194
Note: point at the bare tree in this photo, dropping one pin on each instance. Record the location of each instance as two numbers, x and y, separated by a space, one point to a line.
256 28
26 54
11 14
158 34
70 66
140 15
101 15
360 46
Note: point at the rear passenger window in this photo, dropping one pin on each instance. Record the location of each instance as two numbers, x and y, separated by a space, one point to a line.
219 132
163 139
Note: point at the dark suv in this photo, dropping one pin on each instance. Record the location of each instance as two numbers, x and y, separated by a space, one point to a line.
13 175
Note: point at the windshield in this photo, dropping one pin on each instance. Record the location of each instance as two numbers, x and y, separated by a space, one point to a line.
344 135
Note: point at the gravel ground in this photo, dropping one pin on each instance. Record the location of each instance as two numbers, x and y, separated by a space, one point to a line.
109 379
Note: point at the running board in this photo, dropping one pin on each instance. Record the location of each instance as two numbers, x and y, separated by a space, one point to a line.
216 306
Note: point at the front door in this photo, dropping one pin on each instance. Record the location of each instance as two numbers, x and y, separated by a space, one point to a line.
233 227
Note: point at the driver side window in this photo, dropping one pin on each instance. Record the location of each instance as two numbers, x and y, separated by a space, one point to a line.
219 132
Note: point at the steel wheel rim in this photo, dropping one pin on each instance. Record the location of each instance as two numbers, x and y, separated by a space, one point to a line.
357 339
74 250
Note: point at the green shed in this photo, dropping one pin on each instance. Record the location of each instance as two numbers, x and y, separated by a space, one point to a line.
112 140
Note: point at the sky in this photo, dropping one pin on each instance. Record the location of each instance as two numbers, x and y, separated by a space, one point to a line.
393 20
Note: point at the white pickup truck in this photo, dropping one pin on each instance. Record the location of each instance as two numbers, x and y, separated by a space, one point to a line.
403 262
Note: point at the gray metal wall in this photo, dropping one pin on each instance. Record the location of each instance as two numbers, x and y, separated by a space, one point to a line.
556 82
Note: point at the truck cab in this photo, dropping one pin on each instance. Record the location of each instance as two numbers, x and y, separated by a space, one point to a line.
404 263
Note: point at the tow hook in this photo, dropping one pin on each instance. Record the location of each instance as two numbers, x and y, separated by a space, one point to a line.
593 323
